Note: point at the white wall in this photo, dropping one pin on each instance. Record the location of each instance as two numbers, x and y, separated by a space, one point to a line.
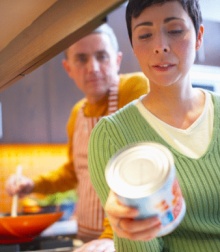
210 9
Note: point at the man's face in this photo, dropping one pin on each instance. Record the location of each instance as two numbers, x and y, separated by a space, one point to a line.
93 65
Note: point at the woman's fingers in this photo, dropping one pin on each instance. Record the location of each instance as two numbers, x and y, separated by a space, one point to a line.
124 221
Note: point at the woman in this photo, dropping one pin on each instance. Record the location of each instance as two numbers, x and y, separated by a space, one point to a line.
165 35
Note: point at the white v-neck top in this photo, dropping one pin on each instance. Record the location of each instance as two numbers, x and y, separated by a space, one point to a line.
193 141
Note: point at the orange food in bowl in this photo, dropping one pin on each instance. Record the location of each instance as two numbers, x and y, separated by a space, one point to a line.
30 204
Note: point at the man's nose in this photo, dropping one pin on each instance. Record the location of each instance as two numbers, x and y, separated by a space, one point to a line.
93 64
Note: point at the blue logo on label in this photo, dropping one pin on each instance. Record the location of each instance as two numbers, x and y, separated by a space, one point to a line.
167 218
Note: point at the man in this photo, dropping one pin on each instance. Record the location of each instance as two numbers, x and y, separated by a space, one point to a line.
93 64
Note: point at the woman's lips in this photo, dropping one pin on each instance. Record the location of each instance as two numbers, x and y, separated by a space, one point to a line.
163 67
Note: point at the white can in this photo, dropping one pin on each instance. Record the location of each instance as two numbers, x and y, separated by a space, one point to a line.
143 176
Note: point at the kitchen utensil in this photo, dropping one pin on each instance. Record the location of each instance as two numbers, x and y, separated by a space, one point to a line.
24 228
14 206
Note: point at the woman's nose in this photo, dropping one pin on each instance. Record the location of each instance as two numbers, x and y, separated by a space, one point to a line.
161 45
161 50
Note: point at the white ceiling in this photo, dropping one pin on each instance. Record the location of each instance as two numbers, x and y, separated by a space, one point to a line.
210 9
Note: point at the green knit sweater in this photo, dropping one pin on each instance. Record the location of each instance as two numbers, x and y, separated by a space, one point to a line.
199 180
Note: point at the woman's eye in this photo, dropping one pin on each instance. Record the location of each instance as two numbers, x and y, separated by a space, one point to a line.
145 36
175 32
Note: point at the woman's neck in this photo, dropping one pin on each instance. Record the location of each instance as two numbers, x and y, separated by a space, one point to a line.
178 109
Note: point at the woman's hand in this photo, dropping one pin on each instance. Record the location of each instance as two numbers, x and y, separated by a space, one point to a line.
124 224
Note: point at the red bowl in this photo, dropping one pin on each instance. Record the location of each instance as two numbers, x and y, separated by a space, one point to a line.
25 228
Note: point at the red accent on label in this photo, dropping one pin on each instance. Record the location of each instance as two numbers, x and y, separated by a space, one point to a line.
163 206
177 200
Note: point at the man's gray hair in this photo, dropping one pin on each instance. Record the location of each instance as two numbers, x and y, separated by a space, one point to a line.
103 29
106 29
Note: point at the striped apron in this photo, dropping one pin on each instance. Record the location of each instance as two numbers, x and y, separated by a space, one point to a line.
89 211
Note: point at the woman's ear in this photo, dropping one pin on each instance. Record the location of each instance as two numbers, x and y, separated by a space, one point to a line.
199 37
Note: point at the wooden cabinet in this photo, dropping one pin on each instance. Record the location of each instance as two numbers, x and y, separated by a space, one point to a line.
34 35
36 108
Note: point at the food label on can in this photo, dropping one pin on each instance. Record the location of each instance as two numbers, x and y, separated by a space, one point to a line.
163 199
167 204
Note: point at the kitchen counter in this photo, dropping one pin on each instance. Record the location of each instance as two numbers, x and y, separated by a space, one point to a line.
61 228
70 249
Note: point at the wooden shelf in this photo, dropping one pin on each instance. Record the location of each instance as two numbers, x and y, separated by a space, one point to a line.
63 23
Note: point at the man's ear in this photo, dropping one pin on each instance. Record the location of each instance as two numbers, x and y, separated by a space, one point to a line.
199 37
119 60
66 65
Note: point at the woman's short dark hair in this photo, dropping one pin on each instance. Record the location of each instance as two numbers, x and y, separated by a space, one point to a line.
135 8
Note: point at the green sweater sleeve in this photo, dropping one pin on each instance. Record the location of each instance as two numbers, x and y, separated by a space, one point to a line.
101 147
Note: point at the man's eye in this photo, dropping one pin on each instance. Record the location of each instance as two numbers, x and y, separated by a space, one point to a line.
102 57
81 59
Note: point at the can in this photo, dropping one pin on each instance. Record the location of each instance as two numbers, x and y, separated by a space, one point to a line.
143 176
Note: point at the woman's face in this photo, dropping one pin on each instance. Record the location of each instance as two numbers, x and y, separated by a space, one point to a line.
164 42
